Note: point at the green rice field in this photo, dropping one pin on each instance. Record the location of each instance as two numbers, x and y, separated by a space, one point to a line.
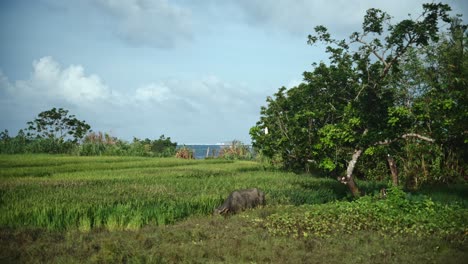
59 192
69 209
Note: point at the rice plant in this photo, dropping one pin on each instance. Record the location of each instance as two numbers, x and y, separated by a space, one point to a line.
120 193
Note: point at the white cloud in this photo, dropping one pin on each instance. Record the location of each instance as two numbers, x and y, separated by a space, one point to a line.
199 96
155 23
50 81
152 92
187 109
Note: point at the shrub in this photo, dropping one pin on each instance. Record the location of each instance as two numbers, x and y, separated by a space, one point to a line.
185 153
399 213
13 145
98 143
235 151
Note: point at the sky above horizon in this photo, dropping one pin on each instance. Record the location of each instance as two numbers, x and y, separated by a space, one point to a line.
196 71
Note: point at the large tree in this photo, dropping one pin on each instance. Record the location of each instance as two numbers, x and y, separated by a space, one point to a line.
357 102
57 124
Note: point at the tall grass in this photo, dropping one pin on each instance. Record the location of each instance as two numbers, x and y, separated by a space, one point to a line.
118 193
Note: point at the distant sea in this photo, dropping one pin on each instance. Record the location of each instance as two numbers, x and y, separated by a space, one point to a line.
200 150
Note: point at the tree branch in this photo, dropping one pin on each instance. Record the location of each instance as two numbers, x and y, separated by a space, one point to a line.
397 56
381 58
428 139
405 136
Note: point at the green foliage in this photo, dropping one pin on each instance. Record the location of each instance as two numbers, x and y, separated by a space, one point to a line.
53 131
93 144
396 214
24 144
362 100
56 132
219 240
423 164
57 124
134 209
162 147
67 192
12 145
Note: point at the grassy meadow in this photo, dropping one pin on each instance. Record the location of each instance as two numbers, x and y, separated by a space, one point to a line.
66 209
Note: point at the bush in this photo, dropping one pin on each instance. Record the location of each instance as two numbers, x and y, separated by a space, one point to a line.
185 153
98 143
399 213
21 144
236 151
13 145
51 146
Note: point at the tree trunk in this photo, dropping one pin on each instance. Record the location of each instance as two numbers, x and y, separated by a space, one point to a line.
393 170
353 188
349 179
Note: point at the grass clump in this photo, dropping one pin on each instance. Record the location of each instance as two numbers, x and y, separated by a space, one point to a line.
236 150
185 153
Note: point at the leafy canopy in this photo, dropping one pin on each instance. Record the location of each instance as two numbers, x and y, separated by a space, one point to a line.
58 124
384 84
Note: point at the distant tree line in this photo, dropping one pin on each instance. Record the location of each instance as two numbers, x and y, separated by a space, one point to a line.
56 132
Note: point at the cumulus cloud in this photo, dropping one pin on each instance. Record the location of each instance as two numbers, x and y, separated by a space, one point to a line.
49 80
71 84
174 106
155 23
198 96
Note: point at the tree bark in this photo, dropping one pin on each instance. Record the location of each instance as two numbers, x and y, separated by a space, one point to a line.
353 188
406 136
393 170
349 179
428 139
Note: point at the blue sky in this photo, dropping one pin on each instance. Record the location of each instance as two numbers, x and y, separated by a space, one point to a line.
197 71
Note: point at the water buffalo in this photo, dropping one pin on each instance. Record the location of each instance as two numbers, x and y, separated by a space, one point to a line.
240 200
